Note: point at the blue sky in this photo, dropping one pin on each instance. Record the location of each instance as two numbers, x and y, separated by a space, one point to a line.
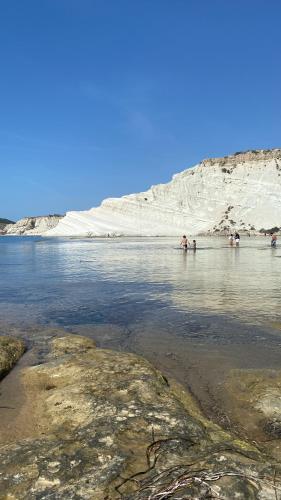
102 98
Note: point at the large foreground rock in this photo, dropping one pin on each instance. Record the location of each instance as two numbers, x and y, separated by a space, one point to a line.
112 427
10 352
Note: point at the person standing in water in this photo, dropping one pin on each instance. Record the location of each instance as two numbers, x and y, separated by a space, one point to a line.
194 244
184 242
273 240
237 239
231 240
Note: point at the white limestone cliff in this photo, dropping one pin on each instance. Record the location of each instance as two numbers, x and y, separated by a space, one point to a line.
242 191
33 225
3 224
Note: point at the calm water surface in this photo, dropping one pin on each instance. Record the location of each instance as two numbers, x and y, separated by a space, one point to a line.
122 281
194 315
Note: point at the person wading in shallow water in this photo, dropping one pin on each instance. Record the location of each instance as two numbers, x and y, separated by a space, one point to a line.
273 240
237 239
231 240
184 242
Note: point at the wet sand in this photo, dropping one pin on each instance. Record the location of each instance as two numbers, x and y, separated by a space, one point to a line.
17 412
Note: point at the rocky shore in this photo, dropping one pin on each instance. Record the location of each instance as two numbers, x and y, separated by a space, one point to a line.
110 426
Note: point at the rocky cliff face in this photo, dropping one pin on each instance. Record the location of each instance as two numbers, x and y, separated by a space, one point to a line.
33 225
238 192
4 223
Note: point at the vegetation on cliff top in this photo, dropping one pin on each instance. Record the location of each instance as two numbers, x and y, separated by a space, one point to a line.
6 221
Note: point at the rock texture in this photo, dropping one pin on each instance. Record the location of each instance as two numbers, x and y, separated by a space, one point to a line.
3 224
10 352
254 401
238 192
113 427
33 225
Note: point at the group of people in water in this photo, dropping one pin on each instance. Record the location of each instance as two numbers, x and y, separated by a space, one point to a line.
234 240
185 244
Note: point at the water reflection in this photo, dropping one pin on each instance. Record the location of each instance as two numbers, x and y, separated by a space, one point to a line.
85 280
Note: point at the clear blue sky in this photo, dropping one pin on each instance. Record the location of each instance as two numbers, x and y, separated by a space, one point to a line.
103 98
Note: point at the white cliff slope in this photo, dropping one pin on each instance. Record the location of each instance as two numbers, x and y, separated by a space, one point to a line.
4 223
33 225
242 191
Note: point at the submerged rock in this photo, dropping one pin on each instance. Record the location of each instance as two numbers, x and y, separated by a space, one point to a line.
113 427
10 351
254 401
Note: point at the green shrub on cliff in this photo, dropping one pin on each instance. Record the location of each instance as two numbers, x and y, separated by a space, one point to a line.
6 221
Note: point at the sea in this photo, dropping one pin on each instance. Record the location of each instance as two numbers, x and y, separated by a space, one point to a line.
194 314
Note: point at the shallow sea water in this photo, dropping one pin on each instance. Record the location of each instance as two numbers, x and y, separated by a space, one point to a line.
194 314
70 281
